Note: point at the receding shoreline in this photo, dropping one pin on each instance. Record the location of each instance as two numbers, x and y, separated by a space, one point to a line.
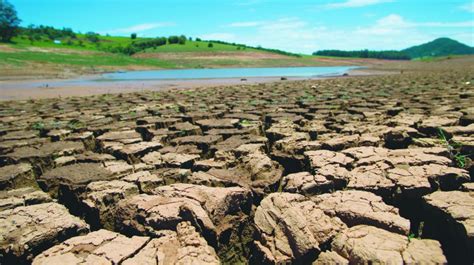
42 88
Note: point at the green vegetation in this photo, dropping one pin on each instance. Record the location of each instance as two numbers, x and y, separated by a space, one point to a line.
439 47
243 46
455 149
390 55
9 21
78 59
436 48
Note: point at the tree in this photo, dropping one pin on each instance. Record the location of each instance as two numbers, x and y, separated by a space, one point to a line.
133 36
9 21
210 45
92 37
173 39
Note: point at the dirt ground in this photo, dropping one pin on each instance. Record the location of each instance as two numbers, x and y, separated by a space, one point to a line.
353 170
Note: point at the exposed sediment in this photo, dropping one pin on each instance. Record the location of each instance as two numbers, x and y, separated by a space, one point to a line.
350 170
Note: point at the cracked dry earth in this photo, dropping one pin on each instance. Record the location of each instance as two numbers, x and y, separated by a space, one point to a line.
346 171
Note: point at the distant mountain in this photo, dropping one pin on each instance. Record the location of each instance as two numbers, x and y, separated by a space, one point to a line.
439 47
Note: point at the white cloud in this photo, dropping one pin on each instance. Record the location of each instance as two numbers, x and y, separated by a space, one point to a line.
141 27
248 3
465 24
245 24
395 24
469 7
389 32
356 3
219 36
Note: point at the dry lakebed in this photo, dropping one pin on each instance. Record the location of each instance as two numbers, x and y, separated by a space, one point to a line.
354 170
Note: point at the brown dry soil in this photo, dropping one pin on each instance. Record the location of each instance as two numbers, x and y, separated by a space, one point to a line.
347 170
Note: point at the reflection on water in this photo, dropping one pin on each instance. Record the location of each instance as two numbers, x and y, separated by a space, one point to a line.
226 73
204 76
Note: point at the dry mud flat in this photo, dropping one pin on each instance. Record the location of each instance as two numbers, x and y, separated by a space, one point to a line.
331 171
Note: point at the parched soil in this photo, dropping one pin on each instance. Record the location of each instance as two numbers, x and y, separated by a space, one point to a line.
356 170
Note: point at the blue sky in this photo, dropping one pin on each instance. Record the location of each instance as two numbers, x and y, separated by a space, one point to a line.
293 25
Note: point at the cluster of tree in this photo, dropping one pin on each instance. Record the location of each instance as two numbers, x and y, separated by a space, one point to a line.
389 55
243 47
141 45
9 21
92 37
41 32
177 39
138 46
277 51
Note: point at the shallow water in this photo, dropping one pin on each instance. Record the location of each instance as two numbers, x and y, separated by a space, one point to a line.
225 73
175 78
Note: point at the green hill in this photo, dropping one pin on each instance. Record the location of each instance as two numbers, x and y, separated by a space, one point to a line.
439 47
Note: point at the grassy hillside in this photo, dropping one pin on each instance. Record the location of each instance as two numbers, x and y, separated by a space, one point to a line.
41 57
439 47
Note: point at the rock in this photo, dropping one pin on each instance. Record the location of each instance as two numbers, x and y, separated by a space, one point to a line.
202 142
184 246
153 158
43 155
306 183
133 152
360 207
330 257
16 176
291 229
182 149
371 178
413 157
165 122
430 125
10 199
364 244
418 157
280 130
289 152
264 173
206 179
145 181
179 160
417 181
100 199
186 129
469 187
19 135
118 167
57 135
341 143
124 137
72 177
321 158
148 214
172 175
27 230
399 137
338 175
91 157
217 123
203 206
458 130
205 165
218 202
366 155
449 217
